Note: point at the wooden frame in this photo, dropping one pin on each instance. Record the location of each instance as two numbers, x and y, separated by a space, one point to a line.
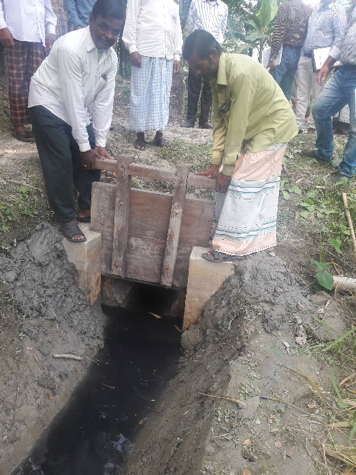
148 236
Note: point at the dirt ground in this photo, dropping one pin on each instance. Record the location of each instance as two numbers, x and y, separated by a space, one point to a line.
256 342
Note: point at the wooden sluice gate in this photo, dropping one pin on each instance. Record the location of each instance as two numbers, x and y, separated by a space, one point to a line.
147 236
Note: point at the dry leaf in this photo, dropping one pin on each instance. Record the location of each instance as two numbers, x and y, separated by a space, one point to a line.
185 413
289 454
246 471
141 422
247 442
50 396
311 406
301 339
278 444
157 316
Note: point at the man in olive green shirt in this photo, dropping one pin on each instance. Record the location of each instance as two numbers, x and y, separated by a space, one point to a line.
253 122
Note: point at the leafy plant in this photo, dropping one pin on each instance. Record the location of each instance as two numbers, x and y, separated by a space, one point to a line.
286 191
324 278
336 243
258 26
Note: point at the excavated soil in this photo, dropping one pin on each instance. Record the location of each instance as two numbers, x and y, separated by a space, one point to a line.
42 313
237 403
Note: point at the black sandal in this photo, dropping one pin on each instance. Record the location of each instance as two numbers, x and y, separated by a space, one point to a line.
140 144
24 136
70 229
161 142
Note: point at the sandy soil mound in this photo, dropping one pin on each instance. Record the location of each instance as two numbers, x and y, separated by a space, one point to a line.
241 350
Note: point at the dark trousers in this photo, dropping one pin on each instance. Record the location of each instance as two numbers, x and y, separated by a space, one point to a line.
61 165
194 87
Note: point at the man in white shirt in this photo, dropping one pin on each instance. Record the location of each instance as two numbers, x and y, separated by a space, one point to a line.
24 26
75 83
153 36
211 16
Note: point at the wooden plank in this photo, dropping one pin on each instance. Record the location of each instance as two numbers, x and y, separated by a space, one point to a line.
121 216
196 226
201 181
174 228
110 165
102 220
154 173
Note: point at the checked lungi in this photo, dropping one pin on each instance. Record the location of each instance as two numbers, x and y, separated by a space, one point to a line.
248 219
22 62
150 94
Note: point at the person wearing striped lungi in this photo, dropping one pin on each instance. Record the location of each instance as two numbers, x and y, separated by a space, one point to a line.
253 122
24 27
153 36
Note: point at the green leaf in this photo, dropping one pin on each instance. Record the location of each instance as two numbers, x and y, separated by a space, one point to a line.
285 195
283 182
295 189
266 13
340 339
255 35
325 279
335 244
353 432
304 214
319 265
336 389
306 205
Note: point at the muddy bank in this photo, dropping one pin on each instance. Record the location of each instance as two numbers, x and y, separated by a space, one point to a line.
237 350
42 313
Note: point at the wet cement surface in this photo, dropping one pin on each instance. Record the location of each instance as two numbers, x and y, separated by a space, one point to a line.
94 434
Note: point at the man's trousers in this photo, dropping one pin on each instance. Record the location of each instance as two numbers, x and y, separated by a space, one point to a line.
194 88
338 92
305 83
60 159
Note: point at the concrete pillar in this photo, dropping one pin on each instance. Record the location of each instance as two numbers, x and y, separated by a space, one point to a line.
86 257
204 279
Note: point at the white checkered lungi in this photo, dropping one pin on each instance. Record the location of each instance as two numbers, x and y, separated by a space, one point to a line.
150 93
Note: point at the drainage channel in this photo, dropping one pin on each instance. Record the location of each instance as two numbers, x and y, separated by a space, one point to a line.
95 432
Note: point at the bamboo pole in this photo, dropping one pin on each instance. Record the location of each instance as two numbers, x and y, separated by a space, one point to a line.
348 215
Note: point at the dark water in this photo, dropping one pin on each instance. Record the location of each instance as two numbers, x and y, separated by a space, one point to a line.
94 433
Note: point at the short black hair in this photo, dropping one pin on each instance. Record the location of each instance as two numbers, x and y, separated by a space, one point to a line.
108 9
202 43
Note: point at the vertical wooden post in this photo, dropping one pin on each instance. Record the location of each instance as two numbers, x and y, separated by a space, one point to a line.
175 223
121 216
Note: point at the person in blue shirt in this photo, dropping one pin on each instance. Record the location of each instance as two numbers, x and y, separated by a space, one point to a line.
78 12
